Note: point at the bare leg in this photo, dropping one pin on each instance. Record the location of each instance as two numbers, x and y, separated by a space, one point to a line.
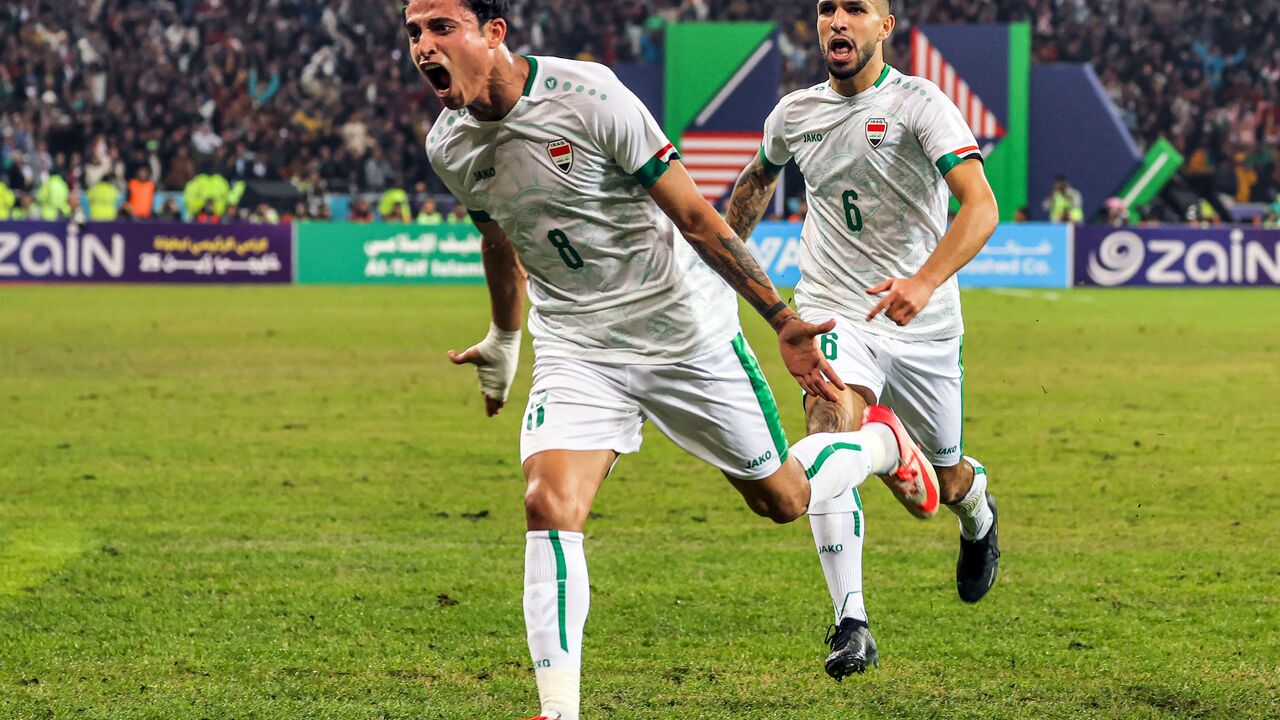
954 482
562 485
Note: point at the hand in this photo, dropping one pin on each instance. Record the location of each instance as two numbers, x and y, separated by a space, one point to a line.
472 356
495 358
799 344
903 299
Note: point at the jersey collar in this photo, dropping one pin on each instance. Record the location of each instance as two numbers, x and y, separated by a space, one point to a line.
879 83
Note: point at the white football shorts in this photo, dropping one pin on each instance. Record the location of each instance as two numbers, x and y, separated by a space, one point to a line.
716 407
923 381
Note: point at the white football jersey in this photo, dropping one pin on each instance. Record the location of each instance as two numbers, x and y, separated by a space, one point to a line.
565 175
873 168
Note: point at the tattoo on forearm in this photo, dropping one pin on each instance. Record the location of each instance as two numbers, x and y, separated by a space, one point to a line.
827 416
735 263
774 310
751 195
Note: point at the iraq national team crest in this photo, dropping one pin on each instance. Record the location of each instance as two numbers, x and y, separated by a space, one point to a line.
561 153
876 129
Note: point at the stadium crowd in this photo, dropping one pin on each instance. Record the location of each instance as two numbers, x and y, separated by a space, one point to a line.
117 100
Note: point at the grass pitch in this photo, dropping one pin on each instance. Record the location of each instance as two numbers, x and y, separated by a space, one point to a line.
285 503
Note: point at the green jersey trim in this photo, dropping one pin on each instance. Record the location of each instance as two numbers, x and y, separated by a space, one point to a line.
479 216
650 172
768 166
947 162
883 74
533 74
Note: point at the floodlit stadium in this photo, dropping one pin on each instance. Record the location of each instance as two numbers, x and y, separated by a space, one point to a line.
514 359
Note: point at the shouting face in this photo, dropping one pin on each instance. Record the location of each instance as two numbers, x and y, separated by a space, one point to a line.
849 32
452 49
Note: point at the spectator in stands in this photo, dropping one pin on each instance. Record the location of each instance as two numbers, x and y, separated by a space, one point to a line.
208 213
26 209
360 212
169 211
394 206
53 197
1022 214
142 194
458 214
1117 213
104 199
1064 204
428 214
7 201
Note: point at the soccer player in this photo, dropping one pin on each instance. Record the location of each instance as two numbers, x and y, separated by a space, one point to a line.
570 180
879 151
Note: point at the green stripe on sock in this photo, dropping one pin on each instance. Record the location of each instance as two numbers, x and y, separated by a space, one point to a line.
857 524
962 395
827 452
857 499
562 580
763 395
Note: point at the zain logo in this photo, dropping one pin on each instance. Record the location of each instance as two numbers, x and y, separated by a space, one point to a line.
1119 258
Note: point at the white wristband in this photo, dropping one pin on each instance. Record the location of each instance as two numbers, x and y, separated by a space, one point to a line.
501 349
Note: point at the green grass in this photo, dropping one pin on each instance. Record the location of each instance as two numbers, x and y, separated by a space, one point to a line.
284 503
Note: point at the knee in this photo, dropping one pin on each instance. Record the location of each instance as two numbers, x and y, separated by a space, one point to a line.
781 510
547 509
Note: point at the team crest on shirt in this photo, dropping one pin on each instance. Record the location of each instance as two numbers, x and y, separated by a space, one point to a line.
561 153
876 129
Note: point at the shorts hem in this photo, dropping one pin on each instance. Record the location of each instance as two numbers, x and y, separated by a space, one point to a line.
526 453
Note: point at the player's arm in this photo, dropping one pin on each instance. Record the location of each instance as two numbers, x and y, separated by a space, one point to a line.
723 250
751 193
497 356
904 298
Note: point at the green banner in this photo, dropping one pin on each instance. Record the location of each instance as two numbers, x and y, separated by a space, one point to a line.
388 254
1158 167
1007 165
701 59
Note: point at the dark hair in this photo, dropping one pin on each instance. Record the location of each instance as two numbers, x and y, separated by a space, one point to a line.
484 10
487 10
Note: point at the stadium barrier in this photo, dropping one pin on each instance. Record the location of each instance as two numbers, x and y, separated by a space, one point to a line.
1030 255
348 253
133 252
1177 256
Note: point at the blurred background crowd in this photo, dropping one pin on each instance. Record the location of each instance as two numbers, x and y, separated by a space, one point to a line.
118 100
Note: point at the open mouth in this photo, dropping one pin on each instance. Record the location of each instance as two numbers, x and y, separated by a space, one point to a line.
840 50
440 79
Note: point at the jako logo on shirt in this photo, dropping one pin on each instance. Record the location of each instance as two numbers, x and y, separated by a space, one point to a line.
876 129
486 174
760 460
561 153
812 137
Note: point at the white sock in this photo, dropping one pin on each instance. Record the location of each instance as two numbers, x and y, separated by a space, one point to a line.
975 516
556 598
835 463
839 538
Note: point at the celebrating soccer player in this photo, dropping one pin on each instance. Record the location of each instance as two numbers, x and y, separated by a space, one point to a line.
879 151
570 180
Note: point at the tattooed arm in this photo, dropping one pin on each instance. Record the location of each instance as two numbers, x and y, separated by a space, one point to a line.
751 195
723 251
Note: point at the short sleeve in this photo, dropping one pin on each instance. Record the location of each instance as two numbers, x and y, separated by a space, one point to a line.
627 132
943 132
774 153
